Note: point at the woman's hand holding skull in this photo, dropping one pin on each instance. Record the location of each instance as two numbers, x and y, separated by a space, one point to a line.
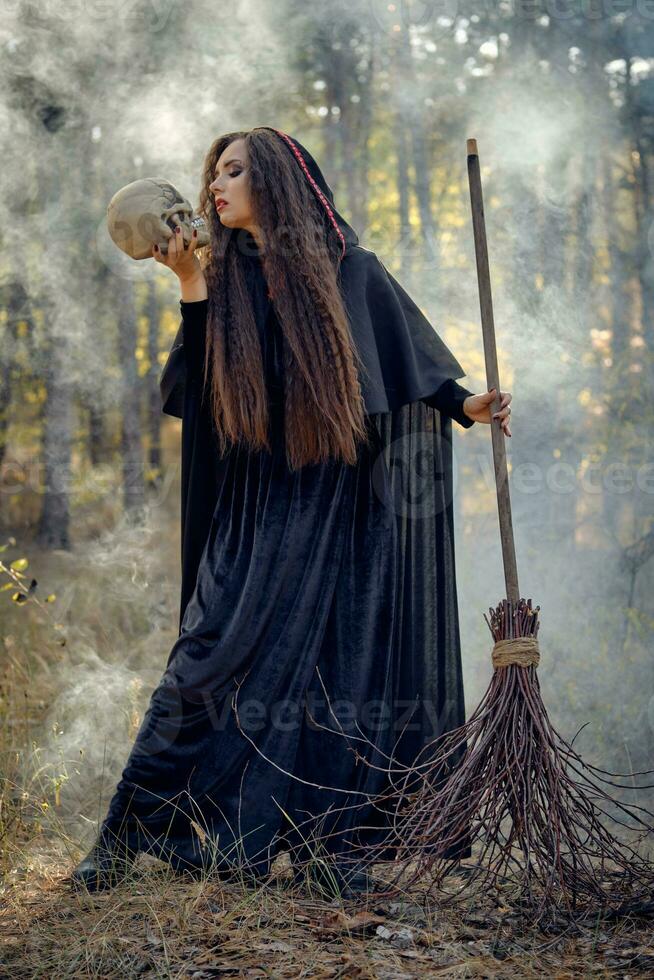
184 263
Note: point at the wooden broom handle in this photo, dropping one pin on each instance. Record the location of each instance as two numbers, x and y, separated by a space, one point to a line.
492 374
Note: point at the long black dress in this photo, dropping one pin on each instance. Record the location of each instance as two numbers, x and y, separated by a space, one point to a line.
321 610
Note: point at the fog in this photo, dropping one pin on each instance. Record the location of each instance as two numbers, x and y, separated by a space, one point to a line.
95 95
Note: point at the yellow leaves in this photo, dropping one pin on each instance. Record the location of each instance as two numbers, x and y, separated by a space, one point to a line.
32 397
600 339
18 566
15 571
143 363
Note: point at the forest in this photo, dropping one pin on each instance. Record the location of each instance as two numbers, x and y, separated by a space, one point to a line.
560 98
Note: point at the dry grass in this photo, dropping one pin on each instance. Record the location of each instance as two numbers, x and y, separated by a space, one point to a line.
160 924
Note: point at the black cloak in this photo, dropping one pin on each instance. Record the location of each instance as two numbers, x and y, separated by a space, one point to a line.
364 586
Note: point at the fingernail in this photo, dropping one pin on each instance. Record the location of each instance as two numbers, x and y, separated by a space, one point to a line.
195 233
177 229
156 248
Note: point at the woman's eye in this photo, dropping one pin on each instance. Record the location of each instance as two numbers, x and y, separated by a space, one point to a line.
235 173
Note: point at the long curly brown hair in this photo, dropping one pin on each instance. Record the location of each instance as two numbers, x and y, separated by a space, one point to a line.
323 403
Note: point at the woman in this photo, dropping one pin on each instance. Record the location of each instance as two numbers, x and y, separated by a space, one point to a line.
318 646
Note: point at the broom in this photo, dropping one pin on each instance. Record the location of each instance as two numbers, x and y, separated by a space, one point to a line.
506 782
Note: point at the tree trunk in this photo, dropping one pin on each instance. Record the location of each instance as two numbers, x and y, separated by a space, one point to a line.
153 393
132 457
54 524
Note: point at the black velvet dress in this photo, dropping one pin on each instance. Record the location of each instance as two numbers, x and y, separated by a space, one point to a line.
318 645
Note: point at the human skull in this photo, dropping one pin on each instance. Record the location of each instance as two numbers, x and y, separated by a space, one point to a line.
141 214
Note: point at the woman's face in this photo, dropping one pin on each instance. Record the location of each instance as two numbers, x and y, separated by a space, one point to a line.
232 184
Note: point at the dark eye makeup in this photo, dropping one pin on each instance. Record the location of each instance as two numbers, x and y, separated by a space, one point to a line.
234 173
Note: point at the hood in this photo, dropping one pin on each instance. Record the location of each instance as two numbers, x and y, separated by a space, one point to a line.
321 189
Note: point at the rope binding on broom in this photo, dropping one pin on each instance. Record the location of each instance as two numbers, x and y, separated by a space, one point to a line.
521 650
